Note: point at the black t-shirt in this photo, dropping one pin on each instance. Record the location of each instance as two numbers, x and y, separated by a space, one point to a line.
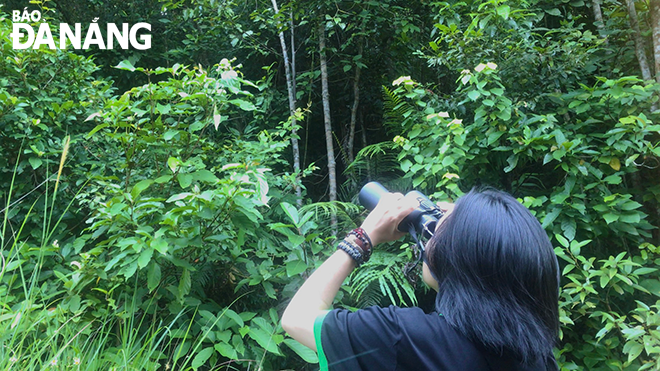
401 339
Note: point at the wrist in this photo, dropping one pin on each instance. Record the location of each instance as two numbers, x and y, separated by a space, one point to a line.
358 245
371 234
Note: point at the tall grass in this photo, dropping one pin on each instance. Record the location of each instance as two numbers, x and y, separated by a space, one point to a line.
38 333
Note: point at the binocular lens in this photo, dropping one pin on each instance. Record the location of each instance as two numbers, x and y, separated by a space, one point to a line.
421 220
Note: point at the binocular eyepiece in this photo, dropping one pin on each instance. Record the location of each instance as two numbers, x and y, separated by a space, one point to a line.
421 221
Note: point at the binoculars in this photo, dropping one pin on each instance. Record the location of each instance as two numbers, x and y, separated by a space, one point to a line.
421 221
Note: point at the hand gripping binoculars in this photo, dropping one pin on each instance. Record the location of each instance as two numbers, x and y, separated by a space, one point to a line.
420 222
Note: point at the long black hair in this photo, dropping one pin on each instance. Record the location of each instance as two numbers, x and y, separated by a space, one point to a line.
498 275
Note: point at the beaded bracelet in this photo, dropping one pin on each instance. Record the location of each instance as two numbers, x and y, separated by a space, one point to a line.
363 234
353 239
352 250
358 245
363 240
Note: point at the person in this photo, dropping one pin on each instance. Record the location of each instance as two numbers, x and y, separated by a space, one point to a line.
497 279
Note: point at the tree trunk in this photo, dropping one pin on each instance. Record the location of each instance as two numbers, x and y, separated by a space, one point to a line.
640 47
289 70
364 145
354 109
332 177
654 9
598 14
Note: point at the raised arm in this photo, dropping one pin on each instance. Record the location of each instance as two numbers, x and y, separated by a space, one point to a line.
318 292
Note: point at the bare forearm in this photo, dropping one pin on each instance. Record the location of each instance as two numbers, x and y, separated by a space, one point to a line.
318 292
315 296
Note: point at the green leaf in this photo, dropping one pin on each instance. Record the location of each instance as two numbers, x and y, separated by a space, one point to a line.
153 276
74 303
296 240
474 94
173 163
178 196
170 134
97 128
550 217
233 316
139 187
294 268
554 11
569 228
405 165
630 205
163 109
512 161
604 280
292 212
243 104
35 162
497 91
609 218
644 270
503 11
185 283
270 291
125 65
633 350
226 350
205 176
163 179
202 357
264 340
576 247
651 285
562 240
494 137
305 353
630 218
613 179
185 180
144 258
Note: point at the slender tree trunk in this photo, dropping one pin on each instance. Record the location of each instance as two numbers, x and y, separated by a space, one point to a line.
328 124
654 9
289 70
598 14
364 144
354 109
293 60
640 47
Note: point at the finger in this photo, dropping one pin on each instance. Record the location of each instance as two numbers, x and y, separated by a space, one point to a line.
446 206
411 200
389 200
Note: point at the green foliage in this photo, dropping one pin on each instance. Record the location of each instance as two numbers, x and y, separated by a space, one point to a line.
166 238
595 298
570 166
382 277
173 180
189 225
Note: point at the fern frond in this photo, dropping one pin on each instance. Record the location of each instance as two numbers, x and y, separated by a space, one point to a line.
379 158
395 109
376 151
345 212
382 277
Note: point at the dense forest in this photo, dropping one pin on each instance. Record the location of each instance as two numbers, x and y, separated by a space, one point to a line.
160 206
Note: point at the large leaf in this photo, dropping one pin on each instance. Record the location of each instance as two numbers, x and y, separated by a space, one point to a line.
305 353
264 339
202 357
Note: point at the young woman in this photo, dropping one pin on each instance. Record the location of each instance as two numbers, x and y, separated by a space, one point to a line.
497 279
